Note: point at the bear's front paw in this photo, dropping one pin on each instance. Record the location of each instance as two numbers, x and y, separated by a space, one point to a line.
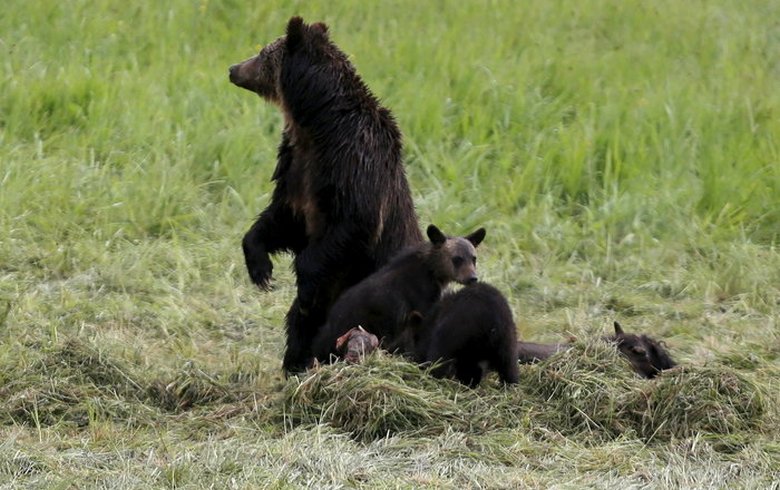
260 269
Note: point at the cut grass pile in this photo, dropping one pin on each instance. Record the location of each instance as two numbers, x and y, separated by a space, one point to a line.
76 383
71 384
587 389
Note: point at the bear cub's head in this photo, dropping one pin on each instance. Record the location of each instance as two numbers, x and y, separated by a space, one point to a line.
454 258
646 355
261 74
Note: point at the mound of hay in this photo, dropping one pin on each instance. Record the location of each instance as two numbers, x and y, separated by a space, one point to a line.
381 396
687 400
585 388
590 387
68 384
76 382
188 388
110 375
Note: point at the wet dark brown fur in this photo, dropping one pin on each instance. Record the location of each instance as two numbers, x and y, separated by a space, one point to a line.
341 203
412 282
470 332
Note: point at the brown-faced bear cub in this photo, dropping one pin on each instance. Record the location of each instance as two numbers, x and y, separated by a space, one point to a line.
412 282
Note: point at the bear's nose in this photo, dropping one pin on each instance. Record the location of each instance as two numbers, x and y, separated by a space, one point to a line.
471 280
233 72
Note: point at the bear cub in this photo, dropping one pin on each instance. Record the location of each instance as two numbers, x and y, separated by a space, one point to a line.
411 282
647 356
470 332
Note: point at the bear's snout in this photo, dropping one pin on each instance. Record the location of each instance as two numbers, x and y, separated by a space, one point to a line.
250 74
242 74
471 280
233 72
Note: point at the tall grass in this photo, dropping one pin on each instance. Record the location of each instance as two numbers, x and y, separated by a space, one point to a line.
622 154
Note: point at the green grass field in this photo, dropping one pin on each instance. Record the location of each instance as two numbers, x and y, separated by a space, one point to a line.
623 155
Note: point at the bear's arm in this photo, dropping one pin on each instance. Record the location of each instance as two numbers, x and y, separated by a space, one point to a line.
374 305
276 228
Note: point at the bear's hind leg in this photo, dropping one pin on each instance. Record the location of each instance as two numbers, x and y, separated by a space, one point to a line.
301 330
469 372
506 363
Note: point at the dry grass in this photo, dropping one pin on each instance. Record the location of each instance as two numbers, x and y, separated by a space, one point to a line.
587 389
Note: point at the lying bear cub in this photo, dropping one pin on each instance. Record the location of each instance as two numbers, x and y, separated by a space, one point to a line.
648 357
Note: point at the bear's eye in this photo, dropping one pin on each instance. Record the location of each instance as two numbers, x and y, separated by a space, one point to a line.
638 350
457 261
474 260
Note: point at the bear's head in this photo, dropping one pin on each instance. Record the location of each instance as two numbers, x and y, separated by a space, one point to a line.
646 355
454 258
262 73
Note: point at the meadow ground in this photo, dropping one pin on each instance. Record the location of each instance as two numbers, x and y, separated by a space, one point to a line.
623 156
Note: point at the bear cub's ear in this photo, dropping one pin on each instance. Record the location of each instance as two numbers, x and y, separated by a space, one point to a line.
476 237
435 235
414 319
618 328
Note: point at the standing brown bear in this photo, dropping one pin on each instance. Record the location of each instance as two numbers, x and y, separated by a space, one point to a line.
341 203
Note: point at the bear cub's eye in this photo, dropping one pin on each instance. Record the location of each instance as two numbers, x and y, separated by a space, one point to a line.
638 350
457 261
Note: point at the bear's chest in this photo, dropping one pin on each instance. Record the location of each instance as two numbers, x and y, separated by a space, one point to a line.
302 189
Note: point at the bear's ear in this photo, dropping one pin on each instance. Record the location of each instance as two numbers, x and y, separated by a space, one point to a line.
295 29
415 319
435 235
477 237
319 28
618 328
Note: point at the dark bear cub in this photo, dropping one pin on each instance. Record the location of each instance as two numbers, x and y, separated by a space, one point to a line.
470 332
341 202
646 355
410 284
